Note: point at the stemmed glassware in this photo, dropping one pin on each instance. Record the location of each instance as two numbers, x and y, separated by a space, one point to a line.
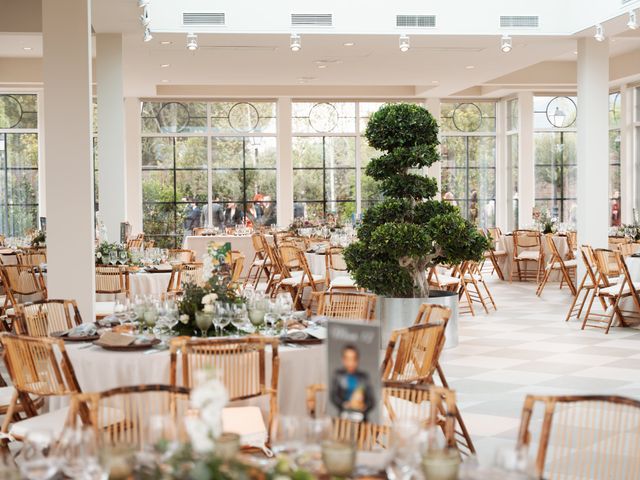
240 316
123 257
78 453
405 448
284 306
204 321
113 257
39 458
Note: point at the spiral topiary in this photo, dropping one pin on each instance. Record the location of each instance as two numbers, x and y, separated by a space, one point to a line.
408 232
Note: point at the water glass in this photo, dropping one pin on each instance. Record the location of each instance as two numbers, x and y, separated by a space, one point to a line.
239 318
78 452
405 448
289 435
39 460
204 321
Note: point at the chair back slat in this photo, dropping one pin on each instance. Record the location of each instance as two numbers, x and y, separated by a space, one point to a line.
348 305
40 319
112 279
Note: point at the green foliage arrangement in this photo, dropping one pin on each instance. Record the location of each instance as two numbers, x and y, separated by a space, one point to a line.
404 235
105 248
39 239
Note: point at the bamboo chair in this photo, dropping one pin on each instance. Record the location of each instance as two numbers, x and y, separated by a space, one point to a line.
568 268
627 249
237 265
473 280
527 249
495 254
412 356
452 280
587 285
426 405
174 285
260 262
613 293
136 242
191 273
432 313
6 394
296 282
22 282
349 305
38 366
40 319
572 241
34 259
241 364
615 242
183 255
112 280
336 272
125 415
590 436
277 270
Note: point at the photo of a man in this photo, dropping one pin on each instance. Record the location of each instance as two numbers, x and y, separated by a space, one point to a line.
351 391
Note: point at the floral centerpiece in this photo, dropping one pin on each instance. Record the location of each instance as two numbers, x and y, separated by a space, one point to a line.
330 221
546 223
38 238
104 252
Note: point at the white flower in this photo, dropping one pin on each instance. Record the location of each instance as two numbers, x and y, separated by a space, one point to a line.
208 308
201 439
209 398
209 299
98 255
184 318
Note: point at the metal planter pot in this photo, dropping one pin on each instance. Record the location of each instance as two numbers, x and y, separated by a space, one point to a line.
394 313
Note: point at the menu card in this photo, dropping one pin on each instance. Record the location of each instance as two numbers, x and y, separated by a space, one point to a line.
353 358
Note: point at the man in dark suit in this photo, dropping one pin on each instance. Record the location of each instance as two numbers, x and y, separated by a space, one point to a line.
233 215
351 390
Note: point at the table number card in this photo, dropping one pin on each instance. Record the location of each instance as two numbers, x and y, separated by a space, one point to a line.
353 358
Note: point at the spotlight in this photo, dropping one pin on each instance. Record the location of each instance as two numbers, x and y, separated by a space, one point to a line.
144 18
404 43
505 44
143 3
633 22
147 35
296 44
192 41
599 35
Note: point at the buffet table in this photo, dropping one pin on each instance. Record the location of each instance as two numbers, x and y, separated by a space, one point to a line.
98 369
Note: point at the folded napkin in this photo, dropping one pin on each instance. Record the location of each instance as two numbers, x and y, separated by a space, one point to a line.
116 339
248 423
83 330
109 321
297 335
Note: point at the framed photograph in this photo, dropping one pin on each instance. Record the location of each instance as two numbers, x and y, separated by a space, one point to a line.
353 360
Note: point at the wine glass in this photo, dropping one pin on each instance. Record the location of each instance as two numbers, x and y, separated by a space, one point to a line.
78 451
284 304
271 317
203 321
113 257
257 309
239 318
289 435
39 461
405 448
225 316
123 257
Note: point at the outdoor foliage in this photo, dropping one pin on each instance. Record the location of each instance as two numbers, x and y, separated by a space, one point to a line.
406 233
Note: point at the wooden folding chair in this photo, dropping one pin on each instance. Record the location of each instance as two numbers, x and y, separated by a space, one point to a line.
35 259
615 242
336 272
588 436
183 255
296 281
494 254
476 289
240 362
587 285
613 293
38 366
568 268
126 415
426 405
260 262
237 265
627 249
191 273
432 313
112 280
527 249
136 242
349 305
22 283
40 319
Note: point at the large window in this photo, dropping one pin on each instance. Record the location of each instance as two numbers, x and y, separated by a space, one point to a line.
324 159
555 156
207 164
468 174
18 163
512 161
615 203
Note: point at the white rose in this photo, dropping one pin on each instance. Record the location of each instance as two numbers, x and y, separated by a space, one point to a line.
207 300
199 434
184 318
213 297
208 308
98 255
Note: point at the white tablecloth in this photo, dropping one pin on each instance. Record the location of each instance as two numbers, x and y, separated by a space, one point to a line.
98 369
200 244
505 243
144 283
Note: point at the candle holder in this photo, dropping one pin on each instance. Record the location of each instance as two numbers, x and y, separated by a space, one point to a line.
339 458
227 445
441 464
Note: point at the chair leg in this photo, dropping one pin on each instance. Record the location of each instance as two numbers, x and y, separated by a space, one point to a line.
486 288
542 284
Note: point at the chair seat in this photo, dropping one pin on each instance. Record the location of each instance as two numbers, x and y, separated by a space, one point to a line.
567 263
343 281
262 262
474 276
297 279
444 280
499 253
529 255
614 289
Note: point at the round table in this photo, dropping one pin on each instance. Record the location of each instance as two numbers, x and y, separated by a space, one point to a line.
98 369
505 243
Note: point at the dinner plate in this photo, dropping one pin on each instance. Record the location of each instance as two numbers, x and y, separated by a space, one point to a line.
136 347
67 338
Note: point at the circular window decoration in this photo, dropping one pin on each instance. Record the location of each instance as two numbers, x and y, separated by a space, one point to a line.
10 111
323 117
467 117
561 112
615 107
173 117
243 117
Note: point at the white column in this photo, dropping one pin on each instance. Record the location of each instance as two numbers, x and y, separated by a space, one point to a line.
284 183
627 162
593 142
526 168
433 105
133 156
111 145
66 28
503 172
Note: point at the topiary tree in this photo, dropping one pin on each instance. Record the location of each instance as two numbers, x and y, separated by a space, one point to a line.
408 232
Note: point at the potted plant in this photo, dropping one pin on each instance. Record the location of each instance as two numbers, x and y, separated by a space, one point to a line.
408 232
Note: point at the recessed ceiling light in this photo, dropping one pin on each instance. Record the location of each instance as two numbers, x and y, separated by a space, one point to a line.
434 81
599 35
348 44
295 42
28 49
322 65
505 44
575 52
165 81
470 67
404 43
165 65
165 42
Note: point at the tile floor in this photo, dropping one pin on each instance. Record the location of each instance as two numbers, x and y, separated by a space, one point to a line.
527 347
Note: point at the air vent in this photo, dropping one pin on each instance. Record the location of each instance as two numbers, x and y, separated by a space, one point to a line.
415 21
203 18
520 21
311 19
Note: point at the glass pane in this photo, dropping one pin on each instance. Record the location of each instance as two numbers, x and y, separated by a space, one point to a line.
340 152
159 219
191 185
21 219
512 114
323 117
454 184
307 185
229 185
191 152
261 184
482 151
243 117
260 152
226 152
22 187
340 184
482 184
157 186
22 150
307 152
189 217
454 152
468 117
157 152
554 112
614 110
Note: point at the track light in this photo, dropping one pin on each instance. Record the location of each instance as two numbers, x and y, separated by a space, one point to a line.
144 18
296 44
505 44
192 41
147 35
599 35
633 22
404 43
143 3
